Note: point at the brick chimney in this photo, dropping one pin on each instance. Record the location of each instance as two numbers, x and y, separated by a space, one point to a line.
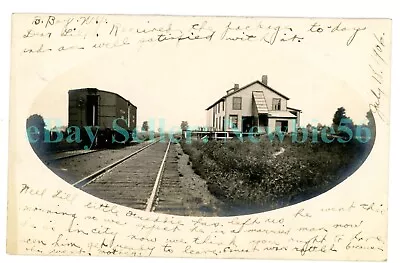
264 80
235 88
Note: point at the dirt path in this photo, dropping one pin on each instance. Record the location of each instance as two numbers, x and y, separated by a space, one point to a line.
282 150
196 198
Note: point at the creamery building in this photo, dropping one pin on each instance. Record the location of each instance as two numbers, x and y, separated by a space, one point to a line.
255 107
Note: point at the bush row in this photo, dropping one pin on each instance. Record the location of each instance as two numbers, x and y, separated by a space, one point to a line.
248 174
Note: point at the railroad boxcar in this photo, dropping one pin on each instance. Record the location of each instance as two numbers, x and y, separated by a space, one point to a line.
90 107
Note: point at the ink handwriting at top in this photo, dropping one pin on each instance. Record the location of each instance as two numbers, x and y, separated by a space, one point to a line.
268 34
51 20
193 32
47 21
354 31
32 33
108 32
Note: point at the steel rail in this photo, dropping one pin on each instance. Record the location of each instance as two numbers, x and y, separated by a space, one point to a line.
90 178
152 198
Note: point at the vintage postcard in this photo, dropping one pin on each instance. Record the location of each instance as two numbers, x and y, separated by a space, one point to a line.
206 137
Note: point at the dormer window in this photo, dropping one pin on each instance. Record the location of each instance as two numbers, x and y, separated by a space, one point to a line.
276 104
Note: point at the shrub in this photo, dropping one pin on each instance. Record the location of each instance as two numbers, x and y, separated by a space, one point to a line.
247 174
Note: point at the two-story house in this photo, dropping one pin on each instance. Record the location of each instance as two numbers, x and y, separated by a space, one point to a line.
255 107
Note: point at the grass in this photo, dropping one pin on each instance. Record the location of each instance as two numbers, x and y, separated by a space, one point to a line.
248 175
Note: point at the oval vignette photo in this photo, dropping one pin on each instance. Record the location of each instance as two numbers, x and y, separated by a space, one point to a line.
201 137
253 152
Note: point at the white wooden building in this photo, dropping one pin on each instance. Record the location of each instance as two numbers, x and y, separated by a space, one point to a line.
255 107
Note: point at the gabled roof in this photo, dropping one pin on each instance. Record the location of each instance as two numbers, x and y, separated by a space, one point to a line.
244 87
218 101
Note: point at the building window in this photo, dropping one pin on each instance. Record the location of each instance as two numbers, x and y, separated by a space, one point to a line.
233 121
223 123
223 105
276 104
237 103
218 107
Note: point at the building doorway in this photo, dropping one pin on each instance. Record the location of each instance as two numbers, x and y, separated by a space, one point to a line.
247 123
263 119
282 126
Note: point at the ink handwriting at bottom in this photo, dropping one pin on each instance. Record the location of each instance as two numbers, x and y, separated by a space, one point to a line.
109 247
317 244
74 228
210 239
61 195
26 189
360 241
62 241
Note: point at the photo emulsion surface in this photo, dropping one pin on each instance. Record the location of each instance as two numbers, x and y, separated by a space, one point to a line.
212 137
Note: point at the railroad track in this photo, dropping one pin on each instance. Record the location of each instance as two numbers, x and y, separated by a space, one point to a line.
135 180
92 177
72 155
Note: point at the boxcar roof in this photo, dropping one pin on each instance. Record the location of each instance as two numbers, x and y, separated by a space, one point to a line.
105 91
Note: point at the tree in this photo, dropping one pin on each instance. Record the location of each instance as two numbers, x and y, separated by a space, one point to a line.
184 125
309 127
35 127
36 121
370 118
338 119
145 126
338 116
371 124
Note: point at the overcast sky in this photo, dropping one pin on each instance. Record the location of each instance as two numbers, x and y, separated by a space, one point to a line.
177 82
